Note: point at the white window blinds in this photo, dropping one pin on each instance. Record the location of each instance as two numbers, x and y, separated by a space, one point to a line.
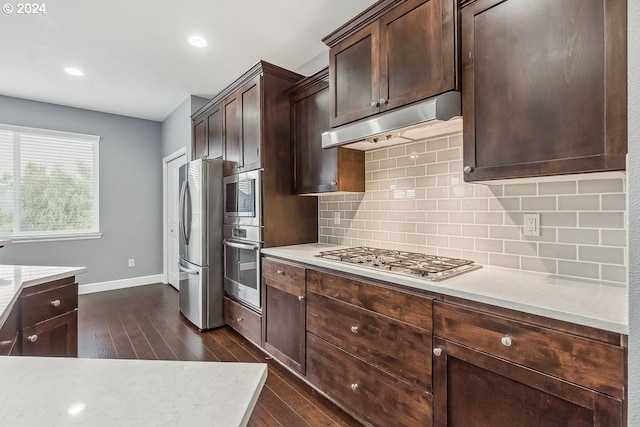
48 183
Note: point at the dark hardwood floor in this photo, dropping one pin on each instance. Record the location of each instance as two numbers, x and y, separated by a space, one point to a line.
145 323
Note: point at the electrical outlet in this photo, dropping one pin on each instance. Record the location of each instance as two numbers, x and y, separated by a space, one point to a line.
336 218
132 262
532 225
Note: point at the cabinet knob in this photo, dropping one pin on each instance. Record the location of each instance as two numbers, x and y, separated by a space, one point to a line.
506 341
32 338
375 104
384 101
333 183
280 272
467 169
437 352
354 386
354 329
300 297
240 319
55 303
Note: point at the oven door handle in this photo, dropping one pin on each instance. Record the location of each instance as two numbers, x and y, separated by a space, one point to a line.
248 246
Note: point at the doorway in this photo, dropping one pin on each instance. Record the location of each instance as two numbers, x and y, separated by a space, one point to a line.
171 208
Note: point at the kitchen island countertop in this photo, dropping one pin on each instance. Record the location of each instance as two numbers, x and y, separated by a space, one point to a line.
47 391
597 304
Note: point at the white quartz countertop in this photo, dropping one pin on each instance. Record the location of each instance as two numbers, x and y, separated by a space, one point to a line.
591 303
14 278
53 392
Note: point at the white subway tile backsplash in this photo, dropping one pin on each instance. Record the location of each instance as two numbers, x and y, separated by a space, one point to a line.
579 203
416 200
438 144
613 202
613 273
545 265
557 250
578 269
544 203
601 255
553 188
520 190
601 219
613 237
578 235
601 186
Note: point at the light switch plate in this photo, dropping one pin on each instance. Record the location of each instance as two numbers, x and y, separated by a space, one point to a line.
336 218
531 225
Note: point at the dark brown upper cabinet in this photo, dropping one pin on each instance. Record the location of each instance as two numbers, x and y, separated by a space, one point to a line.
214 132
318 170
395 53
207 133
242 127
544 87
199 138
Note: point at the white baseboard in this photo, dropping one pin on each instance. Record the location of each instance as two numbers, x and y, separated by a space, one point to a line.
91 288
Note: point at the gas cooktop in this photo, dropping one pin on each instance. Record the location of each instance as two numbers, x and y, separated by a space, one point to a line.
429 267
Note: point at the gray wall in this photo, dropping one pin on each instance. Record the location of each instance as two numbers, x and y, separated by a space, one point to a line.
176 128
633 168
130 193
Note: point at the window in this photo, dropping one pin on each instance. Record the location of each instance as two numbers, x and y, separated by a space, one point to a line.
48 184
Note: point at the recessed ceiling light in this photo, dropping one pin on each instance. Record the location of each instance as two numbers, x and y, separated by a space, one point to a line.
74 71
197 41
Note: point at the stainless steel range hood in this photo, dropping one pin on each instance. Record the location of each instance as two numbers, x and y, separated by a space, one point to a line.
416 121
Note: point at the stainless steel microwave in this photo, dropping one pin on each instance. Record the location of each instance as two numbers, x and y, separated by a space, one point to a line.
243 198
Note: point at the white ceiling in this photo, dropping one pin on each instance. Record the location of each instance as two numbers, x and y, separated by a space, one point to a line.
135 54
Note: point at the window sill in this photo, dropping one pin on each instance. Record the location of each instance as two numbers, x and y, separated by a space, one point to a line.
53 238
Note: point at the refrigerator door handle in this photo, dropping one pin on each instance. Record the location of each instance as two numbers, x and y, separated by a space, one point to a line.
182 218
187 270
187 198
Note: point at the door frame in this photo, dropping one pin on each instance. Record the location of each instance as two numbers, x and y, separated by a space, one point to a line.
165 209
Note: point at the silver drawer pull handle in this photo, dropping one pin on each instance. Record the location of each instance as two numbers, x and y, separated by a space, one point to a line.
354 386
280 272
32 338
354 329
240 319
506 341
300 297
55 303
437 352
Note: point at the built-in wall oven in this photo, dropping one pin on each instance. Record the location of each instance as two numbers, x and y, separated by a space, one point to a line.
243 237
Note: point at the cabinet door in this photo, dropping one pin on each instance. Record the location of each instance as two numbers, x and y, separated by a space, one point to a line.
232 131
285 313
474 389
544 87
314 168
214 133
417 52
199 140
250 98
355 76
57 336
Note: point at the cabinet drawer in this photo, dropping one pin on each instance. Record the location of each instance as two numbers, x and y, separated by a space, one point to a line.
399 348
40 306
287 274
373 395
579 360
246 322
399 305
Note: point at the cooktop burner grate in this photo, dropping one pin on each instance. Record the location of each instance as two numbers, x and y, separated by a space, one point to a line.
431 267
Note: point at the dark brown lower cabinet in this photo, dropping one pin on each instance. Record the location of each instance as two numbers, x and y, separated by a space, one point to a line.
245 321
474 389
372 395
57 336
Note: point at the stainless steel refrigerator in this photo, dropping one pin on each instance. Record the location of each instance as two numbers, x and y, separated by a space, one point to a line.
201 250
